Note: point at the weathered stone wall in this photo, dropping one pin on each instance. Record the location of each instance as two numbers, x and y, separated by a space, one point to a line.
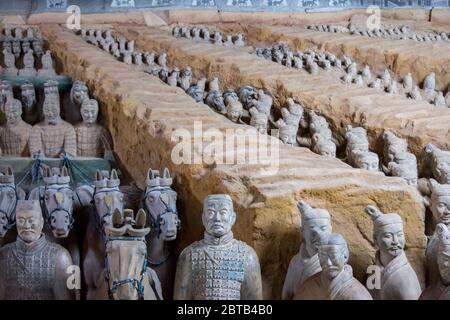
141 113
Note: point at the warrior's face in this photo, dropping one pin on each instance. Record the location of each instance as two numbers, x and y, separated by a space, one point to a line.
89 112
312 233
29 225
218 217
51 111
391 239
369 163
79 94
332 259
13 111
28 96
440 206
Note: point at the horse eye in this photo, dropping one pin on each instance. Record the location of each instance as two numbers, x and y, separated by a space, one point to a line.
161 221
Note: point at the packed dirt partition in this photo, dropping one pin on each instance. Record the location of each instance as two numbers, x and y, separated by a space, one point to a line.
417 121
142 112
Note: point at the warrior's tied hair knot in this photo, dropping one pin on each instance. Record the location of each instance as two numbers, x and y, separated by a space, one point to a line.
381 219
309 214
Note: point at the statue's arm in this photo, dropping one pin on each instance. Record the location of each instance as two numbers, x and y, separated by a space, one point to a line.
182 290
60 287
252 287
70 142
288 287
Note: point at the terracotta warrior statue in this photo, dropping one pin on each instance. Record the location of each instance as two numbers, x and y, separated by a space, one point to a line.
53 136
15 134
28 61
335 281
32 268
218 267
439 203
233 105
71 109
440 290
398 279
6 93
10 63
28 95
47 65
92 139
315 223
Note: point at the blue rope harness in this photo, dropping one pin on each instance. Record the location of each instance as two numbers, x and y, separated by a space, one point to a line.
48 215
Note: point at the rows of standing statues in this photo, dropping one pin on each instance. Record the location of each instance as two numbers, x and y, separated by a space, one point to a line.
128 253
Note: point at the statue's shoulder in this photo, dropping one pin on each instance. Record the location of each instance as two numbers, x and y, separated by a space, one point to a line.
243 247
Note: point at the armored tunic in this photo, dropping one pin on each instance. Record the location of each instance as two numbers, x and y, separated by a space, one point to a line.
28 271
14 139
53 139
217 270
90 140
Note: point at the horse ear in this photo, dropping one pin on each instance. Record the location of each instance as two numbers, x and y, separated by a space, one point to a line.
166 174
98 175
117 218
64 172
141 218
9 171
150 173
47 172
114 175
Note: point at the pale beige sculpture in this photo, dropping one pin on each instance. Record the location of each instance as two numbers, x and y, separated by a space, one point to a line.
32 268
53 136
92 139
439 203
28 61
398 279
440 290
218 266
47 65
10 63
5 94
335 281
15 134
315 223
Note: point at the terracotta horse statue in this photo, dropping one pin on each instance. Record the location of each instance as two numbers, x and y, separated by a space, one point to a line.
10 193
126 275
160 204
105 197
56 197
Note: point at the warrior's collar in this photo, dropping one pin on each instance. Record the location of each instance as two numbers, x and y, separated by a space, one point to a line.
216 241
30 248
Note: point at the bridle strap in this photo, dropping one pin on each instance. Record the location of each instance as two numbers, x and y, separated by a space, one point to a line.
139 285
11 217
48 215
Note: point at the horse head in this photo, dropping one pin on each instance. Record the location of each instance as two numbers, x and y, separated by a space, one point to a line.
57 201
126 255
9 195
160 204
107 197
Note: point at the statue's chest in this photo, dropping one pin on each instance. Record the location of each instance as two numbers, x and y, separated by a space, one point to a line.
31 276
88 141
218 273
53 136
13 141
